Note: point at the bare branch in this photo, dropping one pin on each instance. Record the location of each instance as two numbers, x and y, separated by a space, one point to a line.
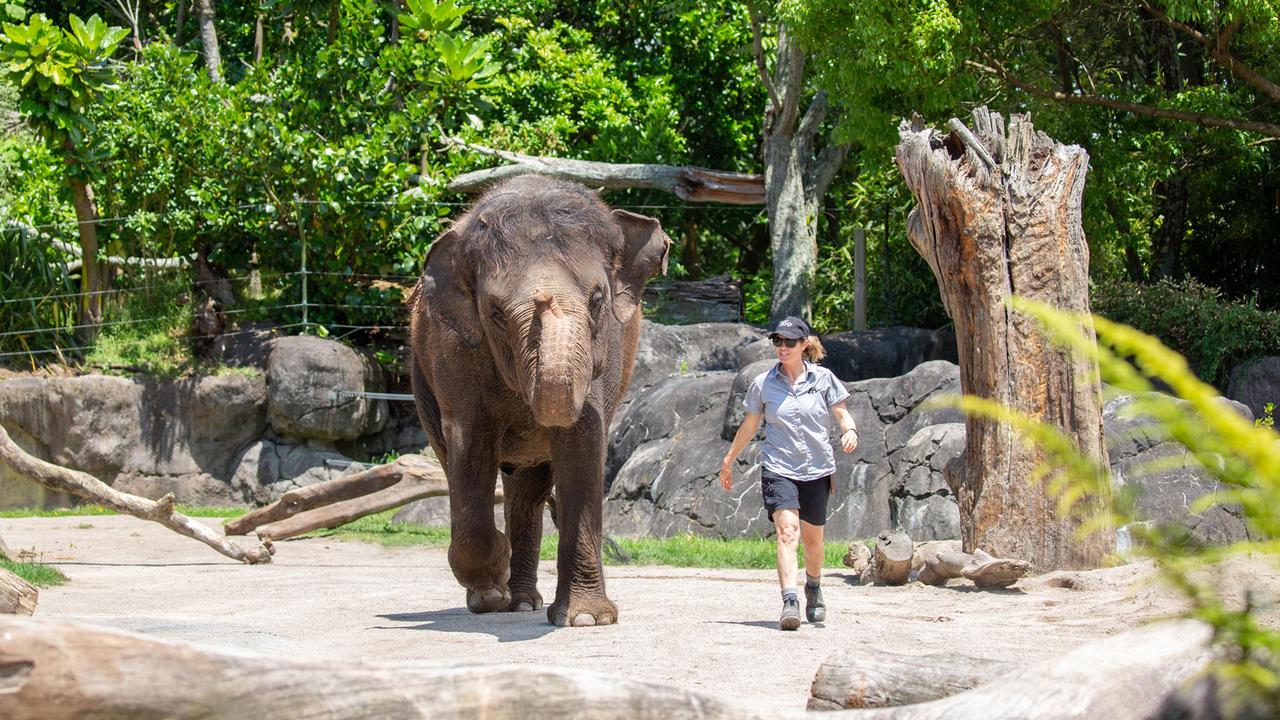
825 167
66 247
1217 48
1203 119
757 48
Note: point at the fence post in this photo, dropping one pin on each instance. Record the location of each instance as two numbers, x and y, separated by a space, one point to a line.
859 279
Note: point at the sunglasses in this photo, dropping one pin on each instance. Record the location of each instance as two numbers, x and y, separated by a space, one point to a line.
779 342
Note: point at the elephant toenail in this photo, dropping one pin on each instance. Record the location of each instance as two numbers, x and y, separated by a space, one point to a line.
584 620
524 607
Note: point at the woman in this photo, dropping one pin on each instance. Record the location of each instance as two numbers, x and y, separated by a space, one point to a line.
797 400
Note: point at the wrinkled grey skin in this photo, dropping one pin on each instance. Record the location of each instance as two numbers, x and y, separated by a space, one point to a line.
524 332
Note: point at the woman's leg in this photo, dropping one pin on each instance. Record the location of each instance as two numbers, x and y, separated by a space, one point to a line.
787 524
811 537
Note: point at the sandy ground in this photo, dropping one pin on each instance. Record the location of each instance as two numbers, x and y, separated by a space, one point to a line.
710 630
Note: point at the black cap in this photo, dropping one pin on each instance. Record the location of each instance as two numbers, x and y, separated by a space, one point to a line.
793 328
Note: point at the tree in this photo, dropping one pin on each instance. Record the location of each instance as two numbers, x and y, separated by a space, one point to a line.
59 74
797 170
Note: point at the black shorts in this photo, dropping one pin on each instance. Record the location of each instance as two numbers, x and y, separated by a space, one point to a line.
807 496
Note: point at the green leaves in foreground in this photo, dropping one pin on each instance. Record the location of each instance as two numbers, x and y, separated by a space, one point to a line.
1242 456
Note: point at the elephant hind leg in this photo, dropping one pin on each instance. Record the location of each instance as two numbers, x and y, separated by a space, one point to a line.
526 494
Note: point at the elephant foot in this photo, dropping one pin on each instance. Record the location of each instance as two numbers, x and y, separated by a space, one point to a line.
524 601
489 600
583 612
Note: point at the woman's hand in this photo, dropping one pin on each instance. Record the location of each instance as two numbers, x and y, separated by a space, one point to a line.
726 476
849 440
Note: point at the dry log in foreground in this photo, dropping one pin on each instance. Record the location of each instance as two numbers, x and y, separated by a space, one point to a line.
998 215
51 671
91 488
1124 677
868 678
17 596
339 501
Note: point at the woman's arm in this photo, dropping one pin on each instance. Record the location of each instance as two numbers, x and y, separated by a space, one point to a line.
746 431
848 430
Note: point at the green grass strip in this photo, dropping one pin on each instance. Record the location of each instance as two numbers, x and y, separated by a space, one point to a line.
34 573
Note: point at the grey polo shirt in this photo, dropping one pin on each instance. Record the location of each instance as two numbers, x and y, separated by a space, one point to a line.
797 420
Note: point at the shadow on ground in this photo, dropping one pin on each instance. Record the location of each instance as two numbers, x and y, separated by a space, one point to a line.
504 627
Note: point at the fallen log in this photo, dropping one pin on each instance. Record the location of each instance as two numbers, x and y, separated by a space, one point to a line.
867 678
337 502
940 563
17 596
890 561
54 670
91 488
1124 677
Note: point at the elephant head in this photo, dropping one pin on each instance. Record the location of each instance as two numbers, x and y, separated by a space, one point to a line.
546 275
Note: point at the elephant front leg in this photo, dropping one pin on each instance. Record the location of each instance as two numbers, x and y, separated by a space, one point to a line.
479 555
578 474
525 495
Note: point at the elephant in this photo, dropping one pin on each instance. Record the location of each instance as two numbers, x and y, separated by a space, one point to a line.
523 333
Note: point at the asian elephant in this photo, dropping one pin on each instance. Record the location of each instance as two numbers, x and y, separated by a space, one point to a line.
523 332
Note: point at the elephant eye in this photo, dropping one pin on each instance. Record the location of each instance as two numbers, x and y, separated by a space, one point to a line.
597 298
497 315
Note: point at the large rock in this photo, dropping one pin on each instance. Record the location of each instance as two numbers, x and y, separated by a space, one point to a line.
674 350
1256 383
886 352
1165 478
665 473
308 379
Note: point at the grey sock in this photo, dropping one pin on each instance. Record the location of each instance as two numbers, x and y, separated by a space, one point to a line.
789 593
812 580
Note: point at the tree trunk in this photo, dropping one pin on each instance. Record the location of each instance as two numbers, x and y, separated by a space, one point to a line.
17 596
53 670
91 271
1130 676
209 40
891 560
997 216
796 176
867 678
88 487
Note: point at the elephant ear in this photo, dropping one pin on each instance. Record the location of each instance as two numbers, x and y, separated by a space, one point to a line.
644 255
446 289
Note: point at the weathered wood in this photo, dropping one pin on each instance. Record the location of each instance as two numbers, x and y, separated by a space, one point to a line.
52 670
1124 677
413 486
868 678
938 563
347 487
990 228
88 487
694 184
891 559
17 596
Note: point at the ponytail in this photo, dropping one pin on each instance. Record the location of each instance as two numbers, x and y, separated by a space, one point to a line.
814 352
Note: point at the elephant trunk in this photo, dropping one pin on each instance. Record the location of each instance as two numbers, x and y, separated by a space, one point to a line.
562 375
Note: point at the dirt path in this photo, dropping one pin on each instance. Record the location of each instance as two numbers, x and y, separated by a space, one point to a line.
712 630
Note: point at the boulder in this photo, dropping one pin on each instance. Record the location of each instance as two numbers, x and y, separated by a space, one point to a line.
920 502
306 381
1256 383
886 352
673 350
269 468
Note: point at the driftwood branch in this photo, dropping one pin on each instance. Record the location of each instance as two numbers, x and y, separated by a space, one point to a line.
17 596
86 486
694 184
71 249
338 502
52 671
1204 119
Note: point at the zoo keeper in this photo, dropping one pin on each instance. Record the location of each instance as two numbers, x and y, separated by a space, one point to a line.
797 399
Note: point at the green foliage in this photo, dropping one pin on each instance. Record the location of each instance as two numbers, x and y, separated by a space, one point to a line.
1212 332
1268 419
34 573
1243 457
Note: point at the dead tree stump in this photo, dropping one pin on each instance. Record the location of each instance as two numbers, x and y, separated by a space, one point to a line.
890 561
998 215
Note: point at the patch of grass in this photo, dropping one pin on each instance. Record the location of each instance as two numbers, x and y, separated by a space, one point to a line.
380 529
79 510
34 573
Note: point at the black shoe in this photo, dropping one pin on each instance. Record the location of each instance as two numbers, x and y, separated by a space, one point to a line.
790 619
814 608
